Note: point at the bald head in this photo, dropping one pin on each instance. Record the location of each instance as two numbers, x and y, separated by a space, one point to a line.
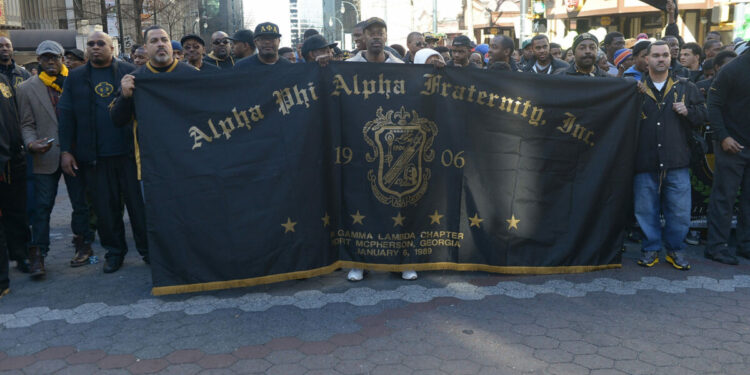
415 42
101 35
220 44
6 51
99 49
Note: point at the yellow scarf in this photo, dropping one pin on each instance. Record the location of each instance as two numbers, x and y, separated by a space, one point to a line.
56 82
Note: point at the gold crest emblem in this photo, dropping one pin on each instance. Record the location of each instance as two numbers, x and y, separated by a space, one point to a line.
401 150
5 90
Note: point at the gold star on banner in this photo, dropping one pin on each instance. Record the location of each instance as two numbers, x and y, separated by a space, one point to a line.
326 220
398 220
357 217
513 222
289 225
475 221
435 218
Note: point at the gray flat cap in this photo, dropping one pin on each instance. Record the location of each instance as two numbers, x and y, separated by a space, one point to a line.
50 46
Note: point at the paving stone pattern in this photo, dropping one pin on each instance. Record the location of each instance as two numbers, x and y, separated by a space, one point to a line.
625 321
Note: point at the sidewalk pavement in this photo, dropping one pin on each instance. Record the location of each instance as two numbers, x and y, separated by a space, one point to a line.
625 321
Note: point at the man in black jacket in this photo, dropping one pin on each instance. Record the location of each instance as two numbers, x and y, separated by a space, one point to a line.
661 186
220 55
501 49
14 231
729 111
122 109
92 147
14 73
585 48
543 62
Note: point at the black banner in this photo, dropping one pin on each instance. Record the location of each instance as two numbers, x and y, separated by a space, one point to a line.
290 172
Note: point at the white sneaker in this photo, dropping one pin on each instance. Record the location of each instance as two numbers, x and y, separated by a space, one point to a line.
355 274
409 275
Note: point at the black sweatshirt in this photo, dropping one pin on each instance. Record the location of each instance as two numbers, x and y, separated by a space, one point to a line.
729 101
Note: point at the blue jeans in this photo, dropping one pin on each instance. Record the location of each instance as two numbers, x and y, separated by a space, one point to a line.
45 187
672 200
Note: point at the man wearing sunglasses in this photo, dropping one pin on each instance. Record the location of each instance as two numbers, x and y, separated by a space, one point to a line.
93 149
194 47
38 99
220 54
414 42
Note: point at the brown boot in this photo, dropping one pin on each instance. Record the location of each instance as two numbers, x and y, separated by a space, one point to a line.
37 262
83 252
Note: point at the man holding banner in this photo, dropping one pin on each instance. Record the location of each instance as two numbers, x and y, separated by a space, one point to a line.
375 35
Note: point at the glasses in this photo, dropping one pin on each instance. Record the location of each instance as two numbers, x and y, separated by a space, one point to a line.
99 43
421 44
221 41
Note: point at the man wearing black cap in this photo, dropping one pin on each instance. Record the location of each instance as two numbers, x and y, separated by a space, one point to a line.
194 48
267 39
543 62
431 39
585 48
74 58
317 49
461 52
220 47
243 45
375 35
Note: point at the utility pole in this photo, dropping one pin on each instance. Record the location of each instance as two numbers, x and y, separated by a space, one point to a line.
434 16
522 29
119 27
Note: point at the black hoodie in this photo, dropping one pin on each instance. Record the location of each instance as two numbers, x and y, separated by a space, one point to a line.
11 142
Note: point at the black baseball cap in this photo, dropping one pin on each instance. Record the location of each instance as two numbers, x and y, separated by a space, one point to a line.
192 37
315 42
462 41
267 29
374 21
245 36
75 52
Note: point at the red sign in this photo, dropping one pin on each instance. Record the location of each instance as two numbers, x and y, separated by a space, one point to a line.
573 5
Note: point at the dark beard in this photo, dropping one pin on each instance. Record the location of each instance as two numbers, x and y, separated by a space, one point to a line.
267 56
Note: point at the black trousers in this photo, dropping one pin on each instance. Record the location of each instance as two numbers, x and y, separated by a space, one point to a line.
112 181
14 228
731 173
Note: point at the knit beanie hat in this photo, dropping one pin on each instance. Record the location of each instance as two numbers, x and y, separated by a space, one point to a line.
621 55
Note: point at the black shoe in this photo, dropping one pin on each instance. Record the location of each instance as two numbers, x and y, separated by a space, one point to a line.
112 264
722 256
744 254
23 266
693 238
146 259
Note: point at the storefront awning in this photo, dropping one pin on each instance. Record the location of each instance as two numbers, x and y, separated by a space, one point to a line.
28 40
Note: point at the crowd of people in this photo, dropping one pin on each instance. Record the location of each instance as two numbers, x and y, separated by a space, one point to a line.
75 119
